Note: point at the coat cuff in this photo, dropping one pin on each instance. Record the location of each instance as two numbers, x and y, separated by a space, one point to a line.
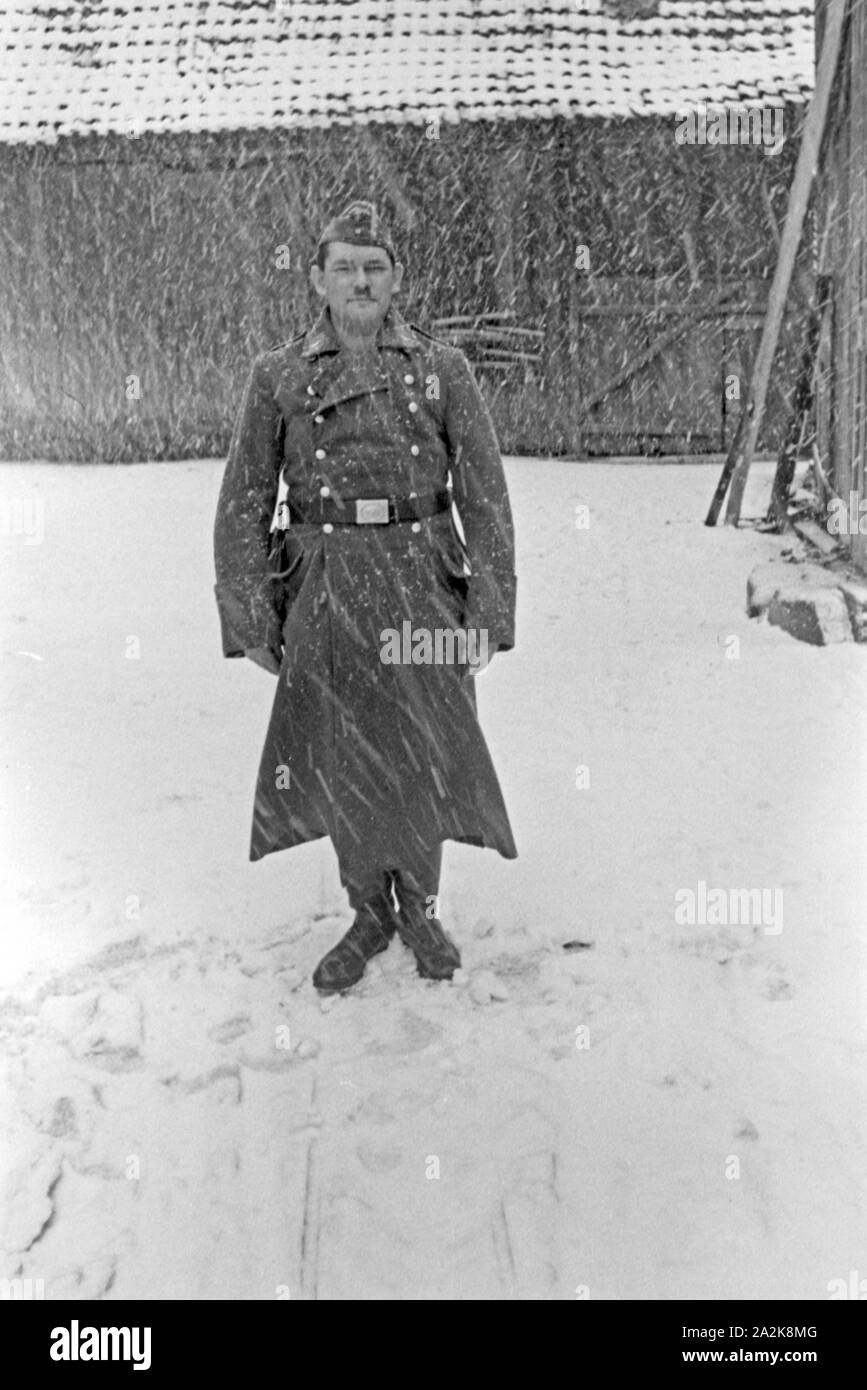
491 607
248 617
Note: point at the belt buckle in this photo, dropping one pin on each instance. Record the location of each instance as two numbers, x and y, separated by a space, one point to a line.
371 511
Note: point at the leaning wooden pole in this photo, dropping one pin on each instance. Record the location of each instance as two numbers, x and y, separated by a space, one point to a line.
743 445
802 405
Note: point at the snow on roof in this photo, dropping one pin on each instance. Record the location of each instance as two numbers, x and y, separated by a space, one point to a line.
77 67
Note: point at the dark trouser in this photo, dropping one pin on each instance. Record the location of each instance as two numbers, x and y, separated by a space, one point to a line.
417 877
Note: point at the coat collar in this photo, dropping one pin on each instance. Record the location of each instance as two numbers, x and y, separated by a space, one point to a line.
394 331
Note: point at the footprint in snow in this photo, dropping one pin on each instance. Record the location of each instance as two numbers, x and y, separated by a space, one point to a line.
230 1029
486 988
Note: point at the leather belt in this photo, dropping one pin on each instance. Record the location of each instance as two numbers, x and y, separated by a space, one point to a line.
369 511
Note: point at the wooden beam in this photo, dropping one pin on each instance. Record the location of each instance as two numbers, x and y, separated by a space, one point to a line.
802 405
857 303
477 320
377 153
655 311
743 445
506 184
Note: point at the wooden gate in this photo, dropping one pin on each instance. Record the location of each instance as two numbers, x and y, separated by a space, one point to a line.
655 372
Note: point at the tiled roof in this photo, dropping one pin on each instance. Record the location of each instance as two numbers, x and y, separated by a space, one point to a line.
72 67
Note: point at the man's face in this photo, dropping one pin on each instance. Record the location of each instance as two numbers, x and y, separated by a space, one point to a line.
358 283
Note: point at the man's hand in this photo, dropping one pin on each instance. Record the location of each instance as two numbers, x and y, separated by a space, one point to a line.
264 657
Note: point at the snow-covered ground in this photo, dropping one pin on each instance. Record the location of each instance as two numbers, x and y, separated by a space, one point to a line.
663 1110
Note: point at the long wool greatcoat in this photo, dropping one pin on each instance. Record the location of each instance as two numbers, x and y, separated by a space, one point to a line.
382 757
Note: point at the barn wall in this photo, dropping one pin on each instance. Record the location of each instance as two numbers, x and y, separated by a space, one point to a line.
174 260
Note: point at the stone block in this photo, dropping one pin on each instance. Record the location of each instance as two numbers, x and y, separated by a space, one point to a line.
766 581
820 616
855 594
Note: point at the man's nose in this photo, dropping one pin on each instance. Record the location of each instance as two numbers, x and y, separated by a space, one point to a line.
361 278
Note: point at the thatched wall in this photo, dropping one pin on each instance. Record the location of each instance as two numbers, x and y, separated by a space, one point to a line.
159 259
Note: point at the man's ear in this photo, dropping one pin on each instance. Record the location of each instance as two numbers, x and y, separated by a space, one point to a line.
398 276
317 280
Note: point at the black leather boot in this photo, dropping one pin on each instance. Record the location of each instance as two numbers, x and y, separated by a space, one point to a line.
343 966
437 956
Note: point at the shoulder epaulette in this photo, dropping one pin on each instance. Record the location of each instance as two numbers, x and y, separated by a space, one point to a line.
416 328
289 341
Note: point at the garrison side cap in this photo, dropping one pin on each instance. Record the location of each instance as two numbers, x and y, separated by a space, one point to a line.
359 224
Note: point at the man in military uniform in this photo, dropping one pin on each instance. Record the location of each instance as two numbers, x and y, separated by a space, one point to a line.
377 429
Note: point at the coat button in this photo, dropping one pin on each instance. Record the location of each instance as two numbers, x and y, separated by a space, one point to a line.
320 453
414 450
325 491
319 419
416 526
328 528
413 407
410 380
310 391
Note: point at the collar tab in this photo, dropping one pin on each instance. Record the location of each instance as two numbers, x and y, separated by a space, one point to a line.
394 332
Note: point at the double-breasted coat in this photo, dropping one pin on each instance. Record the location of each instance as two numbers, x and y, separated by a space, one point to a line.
384 757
